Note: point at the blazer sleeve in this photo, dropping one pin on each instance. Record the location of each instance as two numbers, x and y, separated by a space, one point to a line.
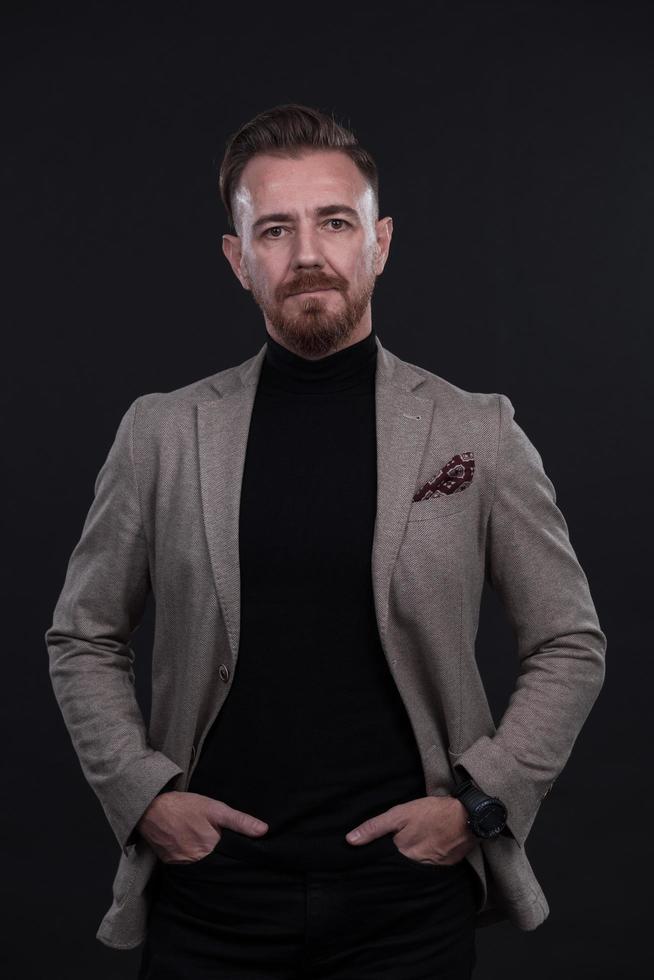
531 564
91 662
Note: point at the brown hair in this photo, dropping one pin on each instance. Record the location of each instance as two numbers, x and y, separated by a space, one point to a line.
289 130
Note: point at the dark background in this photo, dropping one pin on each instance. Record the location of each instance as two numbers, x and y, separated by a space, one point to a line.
515 147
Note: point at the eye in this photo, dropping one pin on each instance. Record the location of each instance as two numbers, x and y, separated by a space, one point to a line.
330 221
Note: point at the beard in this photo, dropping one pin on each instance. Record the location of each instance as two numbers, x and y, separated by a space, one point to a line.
313 330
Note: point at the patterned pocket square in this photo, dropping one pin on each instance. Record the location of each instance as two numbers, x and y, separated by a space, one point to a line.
454 477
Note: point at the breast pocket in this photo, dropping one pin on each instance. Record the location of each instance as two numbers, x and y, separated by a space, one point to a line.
438 507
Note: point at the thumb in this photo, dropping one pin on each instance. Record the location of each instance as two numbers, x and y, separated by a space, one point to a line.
238 820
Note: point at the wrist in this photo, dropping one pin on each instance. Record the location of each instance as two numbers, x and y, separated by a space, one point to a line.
486 815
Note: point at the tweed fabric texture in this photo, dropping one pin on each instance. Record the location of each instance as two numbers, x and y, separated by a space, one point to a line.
164 517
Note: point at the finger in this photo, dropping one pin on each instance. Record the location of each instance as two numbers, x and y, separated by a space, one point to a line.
238 820
372 828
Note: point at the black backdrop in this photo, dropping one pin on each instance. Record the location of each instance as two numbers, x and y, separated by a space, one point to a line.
516 153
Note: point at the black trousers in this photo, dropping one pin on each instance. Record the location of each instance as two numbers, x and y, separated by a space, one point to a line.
223 919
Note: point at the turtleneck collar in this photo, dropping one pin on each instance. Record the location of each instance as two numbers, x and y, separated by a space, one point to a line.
346 368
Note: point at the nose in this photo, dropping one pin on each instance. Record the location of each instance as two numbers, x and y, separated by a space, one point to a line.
307 252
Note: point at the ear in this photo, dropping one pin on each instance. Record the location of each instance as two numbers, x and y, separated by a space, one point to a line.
384 233
233 254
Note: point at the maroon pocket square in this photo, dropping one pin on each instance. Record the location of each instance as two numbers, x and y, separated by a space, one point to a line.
454 477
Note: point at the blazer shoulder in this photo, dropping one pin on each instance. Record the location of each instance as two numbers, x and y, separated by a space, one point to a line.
195 391
181 402
446 393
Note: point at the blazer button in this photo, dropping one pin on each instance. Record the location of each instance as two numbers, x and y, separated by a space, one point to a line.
224 672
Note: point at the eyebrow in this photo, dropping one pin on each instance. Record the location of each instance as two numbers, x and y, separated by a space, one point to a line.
323 212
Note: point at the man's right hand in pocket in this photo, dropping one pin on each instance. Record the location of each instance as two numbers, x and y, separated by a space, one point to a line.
185 827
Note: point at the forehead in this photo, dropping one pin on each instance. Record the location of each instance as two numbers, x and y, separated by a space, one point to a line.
316 178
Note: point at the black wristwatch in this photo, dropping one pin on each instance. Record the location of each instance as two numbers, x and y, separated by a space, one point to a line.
486 814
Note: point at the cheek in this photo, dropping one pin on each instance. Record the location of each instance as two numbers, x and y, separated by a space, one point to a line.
366 262
353 266
265 275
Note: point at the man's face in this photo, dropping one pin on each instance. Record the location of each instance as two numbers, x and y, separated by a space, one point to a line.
309 248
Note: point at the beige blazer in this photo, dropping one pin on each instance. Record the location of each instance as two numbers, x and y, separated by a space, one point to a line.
165 518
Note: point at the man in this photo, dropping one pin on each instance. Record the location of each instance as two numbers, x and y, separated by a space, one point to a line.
321 786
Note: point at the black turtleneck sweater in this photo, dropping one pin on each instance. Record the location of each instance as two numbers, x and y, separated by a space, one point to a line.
313 737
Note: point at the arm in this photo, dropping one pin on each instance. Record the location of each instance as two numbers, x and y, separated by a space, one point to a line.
91 663
530 562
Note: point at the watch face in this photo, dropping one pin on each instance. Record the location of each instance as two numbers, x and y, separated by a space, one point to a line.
490 820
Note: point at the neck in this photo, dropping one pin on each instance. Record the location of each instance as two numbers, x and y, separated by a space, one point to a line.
340 369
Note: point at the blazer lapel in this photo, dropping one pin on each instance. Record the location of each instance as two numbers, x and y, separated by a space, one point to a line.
403 423
223 427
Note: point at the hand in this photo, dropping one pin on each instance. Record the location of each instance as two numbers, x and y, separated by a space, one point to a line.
432 829
184 827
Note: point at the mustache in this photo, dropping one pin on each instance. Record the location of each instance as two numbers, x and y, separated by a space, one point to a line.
312 282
